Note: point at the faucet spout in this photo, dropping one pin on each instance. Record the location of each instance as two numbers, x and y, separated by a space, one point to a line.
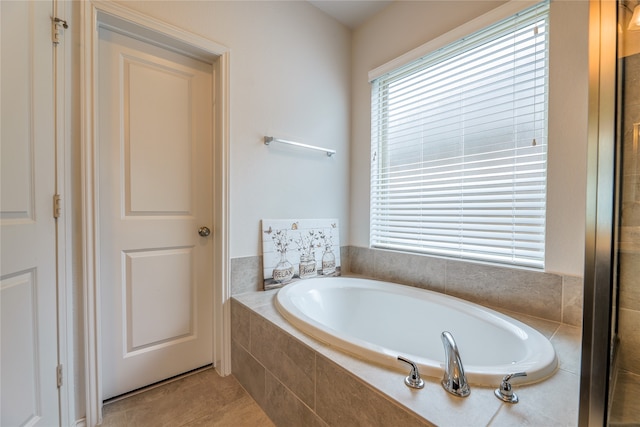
454 380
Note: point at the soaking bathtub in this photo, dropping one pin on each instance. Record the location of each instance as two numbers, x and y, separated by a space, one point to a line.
379 321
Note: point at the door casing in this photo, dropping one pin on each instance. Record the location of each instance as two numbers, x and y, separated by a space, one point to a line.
100 13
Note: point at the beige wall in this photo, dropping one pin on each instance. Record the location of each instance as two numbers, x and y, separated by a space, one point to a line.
405 25
290 67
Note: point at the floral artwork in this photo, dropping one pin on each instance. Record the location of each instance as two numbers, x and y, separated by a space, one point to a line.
299 249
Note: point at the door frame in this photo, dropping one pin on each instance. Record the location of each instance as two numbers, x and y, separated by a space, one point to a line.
63 89
95 14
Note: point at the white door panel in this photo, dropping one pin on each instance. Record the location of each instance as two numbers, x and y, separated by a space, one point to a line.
160 142
169 316
155 191
28 321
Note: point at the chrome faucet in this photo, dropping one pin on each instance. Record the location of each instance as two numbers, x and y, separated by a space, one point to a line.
412 380
454 380
505 391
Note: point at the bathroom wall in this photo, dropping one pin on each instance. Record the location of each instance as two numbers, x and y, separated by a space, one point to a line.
555 294
290 65
406 25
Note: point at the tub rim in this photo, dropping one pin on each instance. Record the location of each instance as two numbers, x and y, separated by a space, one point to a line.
540 365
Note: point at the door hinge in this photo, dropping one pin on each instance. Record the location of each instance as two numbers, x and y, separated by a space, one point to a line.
57 206
59 375
57 25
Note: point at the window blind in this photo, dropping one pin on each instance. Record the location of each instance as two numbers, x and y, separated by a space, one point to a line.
459 147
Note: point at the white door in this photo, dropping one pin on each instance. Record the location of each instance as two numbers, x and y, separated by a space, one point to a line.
155 192
28 249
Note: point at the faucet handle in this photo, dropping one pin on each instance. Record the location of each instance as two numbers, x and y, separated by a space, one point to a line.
412 380
504 392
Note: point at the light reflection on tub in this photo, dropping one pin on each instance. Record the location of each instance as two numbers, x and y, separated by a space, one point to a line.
379 321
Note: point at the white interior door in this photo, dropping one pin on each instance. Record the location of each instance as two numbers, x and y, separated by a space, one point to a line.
155 192
28 250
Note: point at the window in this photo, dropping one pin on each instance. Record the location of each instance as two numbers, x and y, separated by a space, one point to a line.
459 147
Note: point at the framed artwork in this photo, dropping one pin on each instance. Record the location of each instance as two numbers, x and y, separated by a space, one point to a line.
299 249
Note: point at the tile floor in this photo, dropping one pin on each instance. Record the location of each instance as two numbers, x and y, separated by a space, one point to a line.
201 399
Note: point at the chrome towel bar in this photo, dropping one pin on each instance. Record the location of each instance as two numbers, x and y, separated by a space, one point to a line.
269 139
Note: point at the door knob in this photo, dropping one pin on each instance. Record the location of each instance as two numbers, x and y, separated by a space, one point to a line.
204 231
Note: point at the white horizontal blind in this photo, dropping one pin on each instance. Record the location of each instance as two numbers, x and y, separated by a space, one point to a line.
459 147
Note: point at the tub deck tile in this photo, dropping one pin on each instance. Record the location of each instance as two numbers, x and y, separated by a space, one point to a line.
343 400
567 341
553 402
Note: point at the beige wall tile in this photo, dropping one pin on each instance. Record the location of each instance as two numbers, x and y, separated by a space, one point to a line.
408 269
361 260
246 274
344 401
345 259
572 292
629 333
524 291
240 324
626 405
530 292
286 409
630 280
248 372
292 362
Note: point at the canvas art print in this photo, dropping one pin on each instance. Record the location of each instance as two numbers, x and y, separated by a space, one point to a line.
299 249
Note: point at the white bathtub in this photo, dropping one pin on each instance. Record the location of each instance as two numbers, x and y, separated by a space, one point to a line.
379 321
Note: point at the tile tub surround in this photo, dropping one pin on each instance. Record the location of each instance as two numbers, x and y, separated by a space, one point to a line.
246 272
550 296
298 380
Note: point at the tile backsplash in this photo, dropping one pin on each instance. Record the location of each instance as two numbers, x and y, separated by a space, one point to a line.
546 295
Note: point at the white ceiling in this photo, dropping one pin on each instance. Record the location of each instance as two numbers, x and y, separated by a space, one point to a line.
351 12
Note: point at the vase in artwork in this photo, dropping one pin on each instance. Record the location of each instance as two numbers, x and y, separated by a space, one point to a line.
307 266
328 262
283 271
